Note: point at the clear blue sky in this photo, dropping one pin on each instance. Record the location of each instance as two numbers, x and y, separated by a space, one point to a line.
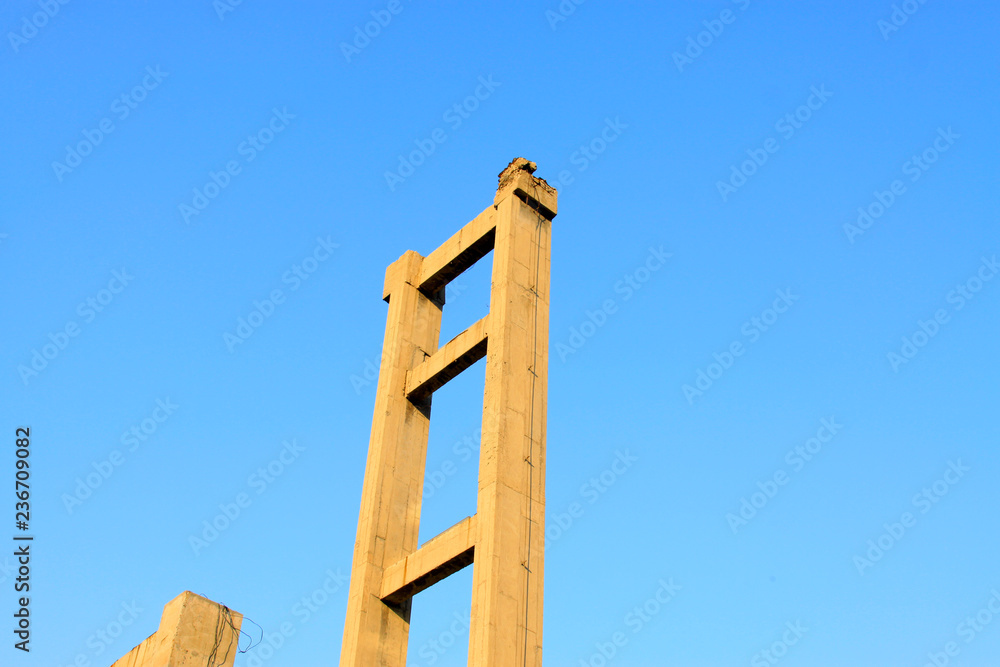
772 274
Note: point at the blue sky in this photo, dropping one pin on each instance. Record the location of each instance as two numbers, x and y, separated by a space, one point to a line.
778 445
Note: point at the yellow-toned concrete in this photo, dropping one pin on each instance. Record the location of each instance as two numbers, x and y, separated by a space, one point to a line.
451 359
194 632
376 632
439 557
505 538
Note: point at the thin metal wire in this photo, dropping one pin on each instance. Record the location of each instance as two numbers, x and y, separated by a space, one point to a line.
531 417
222 621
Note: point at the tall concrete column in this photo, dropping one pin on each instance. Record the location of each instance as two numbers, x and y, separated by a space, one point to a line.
506 624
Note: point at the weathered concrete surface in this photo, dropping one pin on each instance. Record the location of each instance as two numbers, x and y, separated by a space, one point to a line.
505 539
194 632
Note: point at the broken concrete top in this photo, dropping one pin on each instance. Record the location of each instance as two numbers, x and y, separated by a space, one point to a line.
517 178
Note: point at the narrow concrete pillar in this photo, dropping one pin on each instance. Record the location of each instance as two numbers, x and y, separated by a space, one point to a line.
506 624
376 632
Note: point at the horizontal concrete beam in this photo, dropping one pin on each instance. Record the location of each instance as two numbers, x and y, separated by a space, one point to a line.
466 247
451 359
440 557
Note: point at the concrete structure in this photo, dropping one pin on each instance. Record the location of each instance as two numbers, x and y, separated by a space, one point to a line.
505 538
194 632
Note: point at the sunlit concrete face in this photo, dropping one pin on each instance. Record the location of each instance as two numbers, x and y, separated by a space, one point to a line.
193 632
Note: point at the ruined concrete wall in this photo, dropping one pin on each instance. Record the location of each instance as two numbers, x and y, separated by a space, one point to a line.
194 631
